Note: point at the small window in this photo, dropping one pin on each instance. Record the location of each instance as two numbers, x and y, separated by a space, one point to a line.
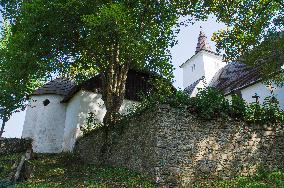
46 102
193 67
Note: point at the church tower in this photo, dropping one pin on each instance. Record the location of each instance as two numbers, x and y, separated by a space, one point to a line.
199 70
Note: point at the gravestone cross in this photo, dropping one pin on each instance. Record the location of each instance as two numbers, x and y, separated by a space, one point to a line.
256 97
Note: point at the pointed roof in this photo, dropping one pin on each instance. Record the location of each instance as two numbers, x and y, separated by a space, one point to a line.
202 43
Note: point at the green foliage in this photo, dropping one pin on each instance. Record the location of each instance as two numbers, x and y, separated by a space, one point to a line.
268 112
65 170
259 180
254 33
209 103
91 124
14 86
81 38
179 99
237 107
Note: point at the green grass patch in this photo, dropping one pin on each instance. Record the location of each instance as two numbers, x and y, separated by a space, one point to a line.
65 171
262 179
7 165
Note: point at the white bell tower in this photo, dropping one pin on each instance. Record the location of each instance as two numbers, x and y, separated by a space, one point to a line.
201 67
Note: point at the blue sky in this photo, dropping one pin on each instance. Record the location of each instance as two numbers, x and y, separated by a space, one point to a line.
180 53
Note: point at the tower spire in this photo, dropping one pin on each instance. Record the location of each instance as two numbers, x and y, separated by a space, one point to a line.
202 43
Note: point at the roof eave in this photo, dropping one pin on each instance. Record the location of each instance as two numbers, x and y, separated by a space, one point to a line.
243 87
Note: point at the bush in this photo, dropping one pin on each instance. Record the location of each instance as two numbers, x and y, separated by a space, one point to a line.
209 104
238 107
268 112
91 124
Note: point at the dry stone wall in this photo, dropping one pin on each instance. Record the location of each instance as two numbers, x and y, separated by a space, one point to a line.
14 145
174 148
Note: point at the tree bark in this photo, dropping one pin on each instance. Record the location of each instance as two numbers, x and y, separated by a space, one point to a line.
3 126
113 92
113 86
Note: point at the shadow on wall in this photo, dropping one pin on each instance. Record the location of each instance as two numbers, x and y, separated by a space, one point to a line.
174 148
192 150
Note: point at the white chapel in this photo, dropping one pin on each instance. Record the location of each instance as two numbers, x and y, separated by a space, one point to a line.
206 68
58 109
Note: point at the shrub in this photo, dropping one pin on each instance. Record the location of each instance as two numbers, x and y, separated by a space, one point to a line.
209 104
238 107
268 112
91 124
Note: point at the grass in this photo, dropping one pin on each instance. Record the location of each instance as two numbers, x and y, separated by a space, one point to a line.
262 179
65 171
7 164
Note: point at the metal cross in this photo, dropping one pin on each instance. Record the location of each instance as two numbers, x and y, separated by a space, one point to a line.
256 97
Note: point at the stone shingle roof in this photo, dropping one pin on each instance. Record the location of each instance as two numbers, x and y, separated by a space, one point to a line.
136 84
202 43
58 86
191 88
235 76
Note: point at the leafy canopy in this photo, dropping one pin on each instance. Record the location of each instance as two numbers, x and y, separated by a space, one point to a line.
77 38
13 91
254 33
80 38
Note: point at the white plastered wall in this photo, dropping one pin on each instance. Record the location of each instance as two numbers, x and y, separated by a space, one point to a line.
45 124
198 87
212 64
77 112
193 69
202 64
263 92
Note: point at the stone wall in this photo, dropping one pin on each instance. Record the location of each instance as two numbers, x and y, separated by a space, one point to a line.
14 145
172 147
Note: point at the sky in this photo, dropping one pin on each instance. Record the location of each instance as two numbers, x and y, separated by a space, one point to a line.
187 40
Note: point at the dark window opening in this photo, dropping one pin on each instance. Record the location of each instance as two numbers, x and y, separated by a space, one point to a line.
46 102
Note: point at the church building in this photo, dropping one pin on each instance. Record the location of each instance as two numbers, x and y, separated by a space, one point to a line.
206 68
60 108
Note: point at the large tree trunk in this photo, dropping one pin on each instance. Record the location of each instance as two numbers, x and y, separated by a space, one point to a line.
113 92
3 126
113 87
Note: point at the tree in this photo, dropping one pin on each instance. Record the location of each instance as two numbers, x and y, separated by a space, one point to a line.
13 91
80 38
254 35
